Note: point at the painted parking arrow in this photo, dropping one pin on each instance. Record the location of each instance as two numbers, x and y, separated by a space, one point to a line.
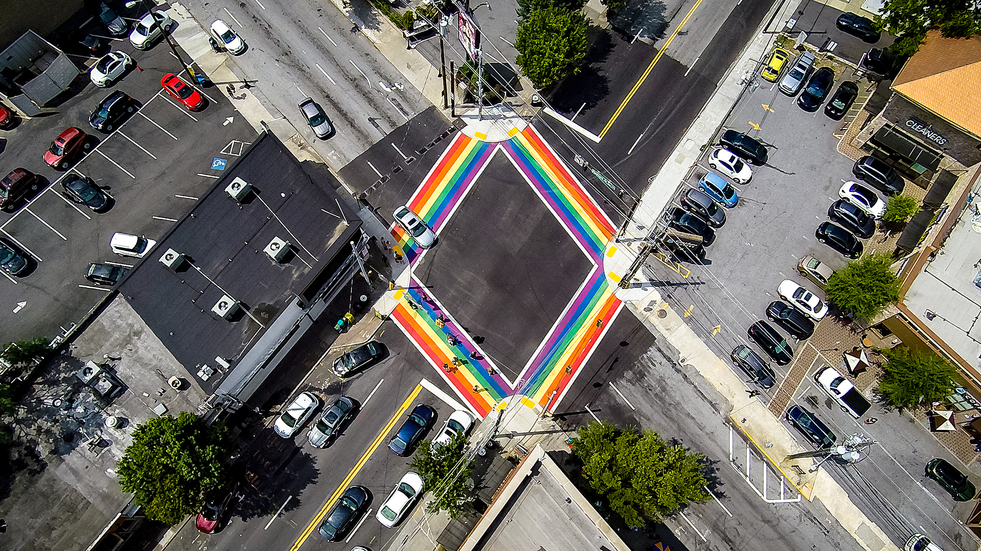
20 305
228 121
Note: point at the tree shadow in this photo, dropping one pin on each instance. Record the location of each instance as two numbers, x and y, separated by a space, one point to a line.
583 91
642 19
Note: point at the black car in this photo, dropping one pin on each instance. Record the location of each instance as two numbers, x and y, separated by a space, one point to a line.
12 260
700 203
345 511
687 222
358 358
839 239
811 427
852 218
817 89
879 61
879 175
772 342
746 147
791 319
753 365
842 101
111 111
859 26
412 429
104 274
951 479
83 190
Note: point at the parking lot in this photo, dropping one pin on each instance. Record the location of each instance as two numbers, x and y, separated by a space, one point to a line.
153 166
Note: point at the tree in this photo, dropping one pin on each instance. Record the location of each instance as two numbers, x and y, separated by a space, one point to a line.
551 45
527 7
864 286
6 399
911 19
640 475
23 352
446 473
172 464
613 7
912 377
900 208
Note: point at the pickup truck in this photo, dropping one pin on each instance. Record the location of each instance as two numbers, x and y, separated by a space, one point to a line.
844 392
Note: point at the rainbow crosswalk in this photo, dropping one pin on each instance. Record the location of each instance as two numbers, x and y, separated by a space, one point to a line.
573 337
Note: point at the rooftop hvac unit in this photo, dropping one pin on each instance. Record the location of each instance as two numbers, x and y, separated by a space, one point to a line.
89 372
226 307
238 189
172 259
277 249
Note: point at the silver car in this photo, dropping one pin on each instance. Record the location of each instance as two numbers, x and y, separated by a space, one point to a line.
316 118
326 428
792 81
414 226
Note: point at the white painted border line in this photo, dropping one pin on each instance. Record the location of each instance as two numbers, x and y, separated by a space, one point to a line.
575 127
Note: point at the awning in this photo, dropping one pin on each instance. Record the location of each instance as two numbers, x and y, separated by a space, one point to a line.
939 190
942 421
856 361
899 143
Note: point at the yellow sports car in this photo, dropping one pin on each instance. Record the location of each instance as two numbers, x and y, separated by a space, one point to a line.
777 60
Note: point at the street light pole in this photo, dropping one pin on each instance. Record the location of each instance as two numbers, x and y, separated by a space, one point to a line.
163 31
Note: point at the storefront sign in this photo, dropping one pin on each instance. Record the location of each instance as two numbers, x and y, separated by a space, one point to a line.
920 127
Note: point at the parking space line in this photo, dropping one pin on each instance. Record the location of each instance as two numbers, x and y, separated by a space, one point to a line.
164 219
325 74
154 123
260 4
363 518
119 264
14 239
209 176
181 108
94 288
132 141
73 205
179 196
29 211
12 280
106 157
233 17
328 36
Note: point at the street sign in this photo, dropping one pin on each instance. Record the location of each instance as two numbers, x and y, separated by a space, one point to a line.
218 164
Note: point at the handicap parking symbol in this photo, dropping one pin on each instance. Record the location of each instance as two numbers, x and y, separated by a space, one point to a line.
218 164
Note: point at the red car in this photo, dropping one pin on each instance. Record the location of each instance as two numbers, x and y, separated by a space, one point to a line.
182 92
214 513
66 148
6 118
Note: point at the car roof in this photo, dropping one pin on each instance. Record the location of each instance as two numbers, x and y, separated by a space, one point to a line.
716 180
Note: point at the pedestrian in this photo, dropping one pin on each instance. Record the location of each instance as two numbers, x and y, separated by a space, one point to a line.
870 421
440 323
473 355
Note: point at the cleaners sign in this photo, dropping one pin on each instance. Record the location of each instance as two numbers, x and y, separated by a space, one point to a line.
920 127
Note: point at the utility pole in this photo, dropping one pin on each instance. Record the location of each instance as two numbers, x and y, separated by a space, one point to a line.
480 84
163 31
442 56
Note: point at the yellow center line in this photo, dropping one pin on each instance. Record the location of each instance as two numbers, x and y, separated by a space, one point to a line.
364 459
648 71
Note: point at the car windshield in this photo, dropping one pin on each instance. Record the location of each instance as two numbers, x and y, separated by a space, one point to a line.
417 420
796 73
416 228
209 512
183 91
56 149
142 29
737 165
712 209
409 491
84 191
456 427
228 36
103 64
103 112
388 513
324 428
328 529
6 254
288 419
728 191
317 118
332 416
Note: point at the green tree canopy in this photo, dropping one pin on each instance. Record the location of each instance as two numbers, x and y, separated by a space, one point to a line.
641 476
446 473
864 286
551 45
23 352
911 377
911 19
900 208
172 464
613 7
526 7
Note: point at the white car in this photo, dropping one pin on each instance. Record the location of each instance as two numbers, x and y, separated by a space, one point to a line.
729 164
459 422
863 198
296 414
125 244
414 226
145 33
802 299
408 490
227 37
110 68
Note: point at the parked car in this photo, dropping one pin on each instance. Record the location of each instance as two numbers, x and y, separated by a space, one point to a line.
227 37
110 68
919 542
729 164
842 101
772 342
418 422
880 61
296 414
316 118
852 218
214 512
125 244
111 111
459 422
811 427
817 89
66 148
687 222
147 32
859 26
802 299
719 189
746 147
326 429
839 239
421 233
778 58
793 79
356 359
345 511
815 270
879 175
104 274
863 198
792 320
13 260
701 204
400 501
844 392
753 365
117 26
182 92
82 190
951 479
7 118
16 186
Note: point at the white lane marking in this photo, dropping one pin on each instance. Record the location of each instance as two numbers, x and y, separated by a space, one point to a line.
637 141
445 397
94 288
717 500
284 503
362 72
260 4
399 151
164 219
128 173
363 518
372 393
119 264
325 74
620 394
21 245
181 108
212 176
73 205
233 17
397 108
692 526
29 211
591 413
375 169
132 141
179 196
328 36
154 123
201 91
690 67
14 281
